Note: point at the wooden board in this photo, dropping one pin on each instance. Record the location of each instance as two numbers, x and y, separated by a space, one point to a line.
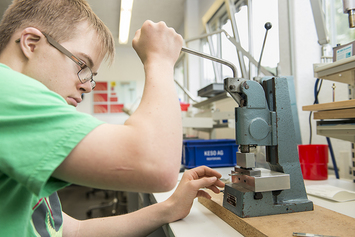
346 104
320 221
335 114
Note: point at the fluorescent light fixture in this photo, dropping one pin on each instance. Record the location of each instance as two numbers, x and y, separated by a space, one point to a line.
125 20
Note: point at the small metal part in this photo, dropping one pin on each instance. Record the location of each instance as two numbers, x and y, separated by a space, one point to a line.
258 196
308 234
349 8
244 148
351 14
243 171
333 87
245 85
246 160
232 200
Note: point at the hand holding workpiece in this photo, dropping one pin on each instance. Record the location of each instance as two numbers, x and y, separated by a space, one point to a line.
190 187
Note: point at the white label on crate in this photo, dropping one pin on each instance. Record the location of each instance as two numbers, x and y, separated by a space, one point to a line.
213 158
213 153
345 52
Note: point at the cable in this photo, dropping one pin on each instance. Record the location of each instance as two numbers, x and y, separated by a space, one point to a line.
333 158
316 93
310 127
330 147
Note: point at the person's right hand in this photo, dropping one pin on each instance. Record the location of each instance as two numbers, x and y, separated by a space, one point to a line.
190 187
155 42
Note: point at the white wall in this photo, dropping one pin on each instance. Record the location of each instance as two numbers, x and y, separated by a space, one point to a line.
194 11
126 67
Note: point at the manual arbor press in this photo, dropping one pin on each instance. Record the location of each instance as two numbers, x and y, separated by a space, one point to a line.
264 118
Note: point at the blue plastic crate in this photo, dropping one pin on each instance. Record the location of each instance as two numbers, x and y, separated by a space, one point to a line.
212 153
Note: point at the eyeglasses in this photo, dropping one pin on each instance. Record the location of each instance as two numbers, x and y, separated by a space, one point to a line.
85 74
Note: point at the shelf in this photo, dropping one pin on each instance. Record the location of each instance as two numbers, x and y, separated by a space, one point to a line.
346 104
339 71
343 129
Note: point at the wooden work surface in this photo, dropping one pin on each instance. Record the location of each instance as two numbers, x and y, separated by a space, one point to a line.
320 221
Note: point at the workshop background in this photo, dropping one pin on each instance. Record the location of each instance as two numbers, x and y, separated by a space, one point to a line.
292 42
291 49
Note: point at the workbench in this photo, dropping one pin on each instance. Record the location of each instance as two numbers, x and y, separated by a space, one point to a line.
202 222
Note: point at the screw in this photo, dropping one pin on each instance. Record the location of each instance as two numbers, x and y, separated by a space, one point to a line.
246 86
231 87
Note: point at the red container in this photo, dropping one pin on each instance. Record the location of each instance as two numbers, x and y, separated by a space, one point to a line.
184 106
314 161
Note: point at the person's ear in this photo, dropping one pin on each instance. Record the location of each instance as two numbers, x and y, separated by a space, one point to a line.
30 39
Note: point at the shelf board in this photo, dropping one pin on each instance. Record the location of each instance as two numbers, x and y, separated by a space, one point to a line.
340 71
346 104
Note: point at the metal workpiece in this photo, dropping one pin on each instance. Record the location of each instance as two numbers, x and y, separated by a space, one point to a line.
262 180
245 160
242 171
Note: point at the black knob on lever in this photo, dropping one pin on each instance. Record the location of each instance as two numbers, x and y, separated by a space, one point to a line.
267 27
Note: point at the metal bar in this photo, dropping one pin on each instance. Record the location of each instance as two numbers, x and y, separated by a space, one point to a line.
231 13
250 34
204 35
219 60
186 91
238 46
248 55
216 67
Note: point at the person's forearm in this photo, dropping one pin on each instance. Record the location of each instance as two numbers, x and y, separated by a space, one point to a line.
139 223
158 120
159 111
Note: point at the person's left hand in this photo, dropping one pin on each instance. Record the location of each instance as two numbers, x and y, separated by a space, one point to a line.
189 188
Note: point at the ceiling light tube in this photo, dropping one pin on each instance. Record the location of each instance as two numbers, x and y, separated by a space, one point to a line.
125 20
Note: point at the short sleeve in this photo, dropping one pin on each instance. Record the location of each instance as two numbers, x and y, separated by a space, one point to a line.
38 130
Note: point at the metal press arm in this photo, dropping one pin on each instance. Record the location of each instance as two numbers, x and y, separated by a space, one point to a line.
219 60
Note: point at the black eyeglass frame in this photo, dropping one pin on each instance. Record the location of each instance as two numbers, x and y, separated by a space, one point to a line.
79 62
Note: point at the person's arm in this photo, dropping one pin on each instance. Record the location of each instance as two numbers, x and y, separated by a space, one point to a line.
144 154
146 220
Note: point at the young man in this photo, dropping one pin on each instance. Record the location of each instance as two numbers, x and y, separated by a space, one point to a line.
49 53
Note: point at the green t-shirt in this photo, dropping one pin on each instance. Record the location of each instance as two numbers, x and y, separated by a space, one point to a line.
38 129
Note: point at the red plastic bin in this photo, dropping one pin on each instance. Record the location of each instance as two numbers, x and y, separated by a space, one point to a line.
314 161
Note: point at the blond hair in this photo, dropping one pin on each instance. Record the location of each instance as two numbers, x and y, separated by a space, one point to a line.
57 18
